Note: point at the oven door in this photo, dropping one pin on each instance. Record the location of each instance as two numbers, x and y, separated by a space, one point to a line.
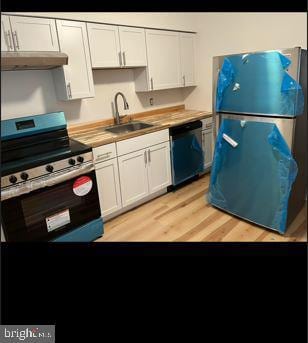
47 213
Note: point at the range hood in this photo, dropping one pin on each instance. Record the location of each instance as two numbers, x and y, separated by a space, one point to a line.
32 60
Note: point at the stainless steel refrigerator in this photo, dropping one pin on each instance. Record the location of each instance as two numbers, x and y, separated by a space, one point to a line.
260 117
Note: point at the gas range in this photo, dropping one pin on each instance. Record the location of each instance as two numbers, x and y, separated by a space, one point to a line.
48 182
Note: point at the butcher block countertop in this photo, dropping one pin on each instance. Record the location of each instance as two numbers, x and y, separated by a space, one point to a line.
94 134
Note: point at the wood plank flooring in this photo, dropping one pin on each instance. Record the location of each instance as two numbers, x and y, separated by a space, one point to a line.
185 216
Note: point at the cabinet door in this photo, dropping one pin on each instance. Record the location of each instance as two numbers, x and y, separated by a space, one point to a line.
77 79
6 34
34 34
207 147
187 47
159 167
163 51
133 176
107 175
133 49
104 45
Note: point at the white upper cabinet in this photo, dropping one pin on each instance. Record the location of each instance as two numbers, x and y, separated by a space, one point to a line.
104 45
133 48
164 70
114 47
6 34
34 34
163 50
187 53
75 80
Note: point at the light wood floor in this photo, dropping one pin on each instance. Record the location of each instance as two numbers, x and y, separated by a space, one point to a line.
185 216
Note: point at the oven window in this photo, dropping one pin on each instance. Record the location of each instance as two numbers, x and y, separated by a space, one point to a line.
24 217
37 207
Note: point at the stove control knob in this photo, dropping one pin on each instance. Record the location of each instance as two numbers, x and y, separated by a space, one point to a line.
49 168
24 176
13 179
80 159
71 161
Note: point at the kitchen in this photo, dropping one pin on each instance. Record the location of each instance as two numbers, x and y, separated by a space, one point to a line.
135 90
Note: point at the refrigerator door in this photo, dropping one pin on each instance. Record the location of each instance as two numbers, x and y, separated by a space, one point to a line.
253 171
259 83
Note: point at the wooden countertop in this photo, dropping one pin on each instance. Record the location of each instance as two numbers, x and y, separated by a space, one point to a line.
94 134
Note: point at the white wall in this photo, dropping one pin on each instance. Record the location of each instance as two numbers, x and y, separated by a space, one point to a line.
224 33
33 92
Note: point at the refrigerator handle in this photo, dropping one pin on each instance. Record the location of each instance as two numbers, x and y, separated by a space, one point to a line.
215 77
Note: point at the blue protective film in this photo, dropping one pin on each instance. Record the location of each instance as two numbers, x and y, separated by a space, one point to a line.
225 78
258 83
252 180
187 158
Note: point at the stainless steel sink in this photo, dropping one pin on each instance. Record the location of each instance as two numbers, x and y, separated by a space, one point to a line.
129 127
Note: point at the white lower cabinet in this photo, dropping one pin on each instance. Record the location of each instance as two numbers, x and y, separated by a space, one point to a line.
159 170
107 175
207 147
131 170
207 141
147 170
133 177
144 172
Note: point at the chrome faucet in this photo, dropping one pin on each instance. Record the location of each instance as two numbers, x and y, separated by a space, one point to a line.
117 116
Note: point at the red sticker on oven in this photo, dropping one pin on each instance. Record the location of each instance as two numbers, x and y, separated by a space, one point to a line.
82 186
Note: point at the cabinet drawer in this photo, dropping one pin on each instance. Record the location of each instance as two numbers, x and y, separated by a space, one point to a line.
207 123
142 142
104 152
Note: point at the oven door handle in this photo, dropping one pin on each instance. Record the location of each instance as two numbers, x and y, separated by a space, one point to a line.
45 181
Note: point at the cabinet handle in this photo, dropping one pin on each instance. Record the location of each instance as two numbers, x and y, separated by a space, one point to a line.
16 39
124 58
9 40
149 156
145 157
184 80
120 58
152 83
69 90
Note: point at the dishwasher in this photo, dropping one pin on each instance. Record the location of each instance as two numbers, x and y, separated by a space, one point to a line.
187 157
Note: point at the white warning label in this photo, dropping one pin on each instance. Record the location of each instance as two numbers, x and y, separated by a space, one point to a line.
57 220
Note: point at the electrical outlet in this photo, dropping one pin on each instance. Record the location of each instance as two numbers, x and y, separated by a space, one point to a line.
151 101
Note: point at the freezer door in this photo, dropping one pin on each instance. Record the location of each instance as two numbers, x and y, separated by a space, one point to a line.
262 83
252 172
